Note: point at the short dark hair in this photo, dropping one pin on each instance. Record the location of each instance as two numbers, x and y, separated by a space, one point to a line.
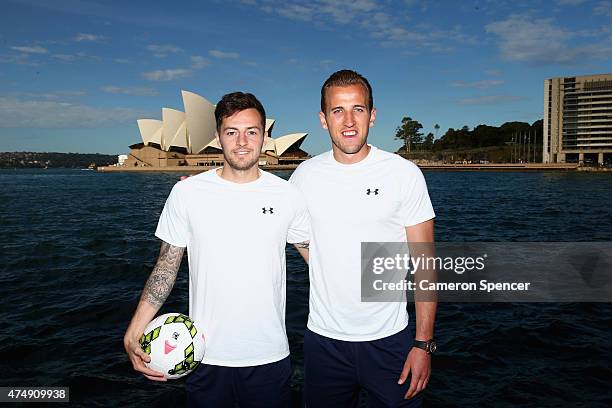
346 77
237 102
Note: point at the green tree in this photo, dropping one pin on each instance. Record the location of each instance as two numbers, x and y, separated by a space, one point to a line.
408 131
428 142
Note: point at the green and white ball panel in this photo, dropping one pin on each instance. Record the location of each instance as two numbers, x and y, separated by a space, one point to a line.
175 344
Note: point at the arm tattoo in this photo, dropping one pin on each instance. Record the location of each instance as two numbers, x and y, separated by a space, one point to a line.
303 245
162 278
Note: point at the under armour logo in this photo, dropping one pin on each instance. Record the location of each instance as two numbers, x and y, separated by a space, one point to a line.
372 191
267 210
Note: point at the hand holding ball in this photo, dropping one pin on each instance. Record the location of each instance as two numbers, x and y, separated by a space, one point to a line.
174 343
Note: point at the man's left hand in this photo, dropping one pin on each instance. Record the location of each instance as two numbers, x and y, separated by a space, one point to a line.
418 364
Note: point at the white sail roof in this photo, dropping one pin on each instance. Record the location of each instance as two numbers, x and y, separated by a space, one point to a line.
194 129
174 129
150 131
200 118
285 142
214 143
268 144
269 126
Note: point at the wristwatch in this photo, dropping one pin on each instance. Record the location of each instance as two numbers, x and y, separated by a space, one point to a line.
429 346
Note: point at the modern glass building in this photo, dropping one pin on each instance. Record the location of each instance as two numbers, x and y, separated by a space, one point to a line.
578 120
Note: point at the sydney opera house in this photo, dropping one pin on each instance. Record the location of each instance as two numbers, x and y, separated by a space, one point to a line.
188 139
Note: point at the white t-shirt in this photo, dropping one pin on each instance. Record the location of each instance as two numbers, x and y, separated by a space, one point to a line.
343 215
235 236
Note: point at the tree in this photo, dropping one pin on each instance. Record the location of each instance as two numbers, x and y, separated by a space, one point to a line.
428 142
408 131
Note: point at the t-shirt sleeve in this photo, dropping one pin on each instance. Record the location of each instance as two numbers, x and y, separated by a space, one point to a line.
172 226
415 206
299 229
296 178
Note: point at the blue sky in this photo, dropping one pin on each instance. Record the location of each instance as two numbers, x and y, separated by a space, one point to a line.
76 75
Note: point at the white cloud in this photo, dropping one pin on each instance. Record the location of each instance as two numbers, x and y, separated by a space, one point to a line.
33 49
167 74
493 72
381 21
20 59
489 100
134 91
16 113
88 37
53 95
483 84
338 10
539 42
224 55
65 57
326 64
162 50
603 8
296 11
199 62
342 11
75 57
70 93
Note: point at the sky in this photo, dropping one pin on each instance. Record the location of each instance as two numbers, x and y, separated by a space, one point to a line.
75 75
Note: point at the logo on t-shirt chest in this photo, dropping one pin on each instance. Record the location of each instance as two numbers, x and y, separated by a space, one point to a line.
376 201
271 219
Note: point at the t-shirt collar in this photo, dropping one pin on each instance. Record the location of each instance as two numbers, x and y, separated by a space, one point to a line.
359 164
232 184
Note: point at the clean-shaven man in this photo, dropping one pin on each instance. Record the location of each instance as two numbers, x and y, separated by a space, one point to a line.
357 193
235 222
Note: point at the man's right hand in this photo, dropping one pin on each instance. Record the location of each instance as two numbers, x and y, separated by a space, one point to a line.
138 358
153 296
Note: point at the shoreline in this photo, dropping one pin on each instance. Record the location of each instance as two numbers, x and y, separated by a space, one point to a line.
433 167
180 169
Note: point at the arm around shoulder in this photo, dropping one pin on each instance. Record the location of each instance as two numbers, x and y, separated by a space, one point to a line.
300 229
303 249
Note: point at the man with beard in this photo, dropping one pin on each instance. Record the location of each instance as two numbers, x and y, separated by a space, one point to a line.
235 222
357 193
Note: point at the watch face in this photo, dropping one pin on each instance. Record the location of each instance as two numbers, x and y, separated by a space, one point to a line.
432 347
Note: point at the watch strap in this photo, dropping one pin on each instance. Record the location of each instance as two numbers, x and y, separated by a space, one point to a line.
423 345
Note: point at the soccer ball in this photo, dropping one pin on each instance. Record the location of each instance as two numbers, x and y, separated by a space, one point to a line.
175 344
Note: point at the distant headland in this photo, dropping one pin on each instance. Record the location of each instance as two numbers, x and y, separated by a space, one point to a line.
24 160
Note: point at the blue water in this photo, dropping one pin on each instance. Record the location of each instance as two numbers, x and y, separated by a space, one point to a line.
77 247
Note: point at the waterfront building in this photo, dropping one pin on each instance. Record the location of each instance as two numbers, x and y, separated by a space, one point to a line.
188 139
578 120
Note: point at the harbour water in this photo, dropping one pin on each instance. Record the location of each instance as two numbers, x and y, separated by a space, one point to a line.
77 247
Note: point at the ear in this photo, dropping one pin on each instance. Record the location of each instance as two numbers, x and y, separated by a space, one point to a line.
217 137
372 117
323 120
